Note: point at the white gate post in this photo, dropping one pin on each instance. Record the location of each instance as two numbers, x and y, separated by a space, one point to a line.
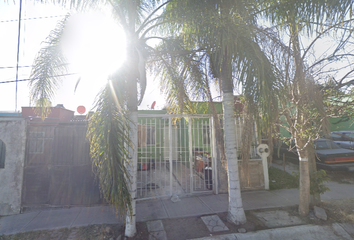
263 152
214 161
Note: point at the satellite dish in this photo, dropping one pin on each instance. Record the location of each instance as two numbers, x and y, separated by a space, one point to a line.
81 109
153 105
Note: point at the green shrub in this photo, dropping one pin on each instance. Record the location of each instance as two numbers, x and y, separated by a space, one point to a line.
317 182
279 179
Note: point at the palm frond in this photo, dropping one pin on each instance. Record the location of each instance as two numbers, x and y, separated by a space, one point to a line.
109 141
47 68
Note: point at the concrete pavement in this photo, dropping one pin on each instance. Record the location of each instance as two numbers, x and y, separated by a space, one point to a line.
158 209
55 218
303 232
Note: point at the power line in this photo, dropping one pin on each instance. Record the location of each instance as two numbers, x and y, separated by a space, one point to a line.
34 18
28 79
16 67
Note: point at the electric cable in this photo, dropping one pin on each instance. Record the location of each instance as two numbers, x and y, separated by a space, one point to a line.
34 18
1 68
28 79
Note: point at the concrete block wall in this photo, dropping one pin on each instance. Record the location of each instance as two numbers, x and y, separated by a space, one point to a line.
13 134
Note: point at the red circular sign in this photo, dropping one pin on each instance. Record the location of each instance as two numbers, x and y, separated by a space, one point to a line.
81 109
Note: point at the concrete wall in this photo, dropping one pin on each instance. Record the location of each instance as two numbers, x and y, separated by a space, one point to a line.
13 134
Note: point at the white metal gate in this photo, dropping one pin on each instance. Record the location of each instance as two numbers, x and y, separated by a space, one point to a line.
176 155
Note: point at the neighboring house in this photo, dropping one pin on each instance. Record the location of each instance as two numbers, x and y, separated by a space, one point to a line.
12 156
58 169
177 154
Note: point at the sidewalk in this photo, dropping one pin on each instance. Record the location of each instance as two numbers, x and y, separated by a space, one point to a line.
55 218
158 209
146 210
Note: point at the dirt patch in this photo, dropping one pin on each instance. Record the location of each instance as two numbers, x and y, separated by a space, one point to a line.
339 210
92 232
58 234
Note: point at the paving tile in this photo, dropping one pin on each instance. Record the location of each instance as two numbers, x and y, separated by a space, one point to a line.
186 207
349 227
15 223
96 215
53 219
278 218
217 203
214 223
150 210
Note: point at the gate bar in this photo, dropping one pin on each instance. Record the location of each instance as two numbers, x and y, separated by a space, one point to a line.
170 154
190 154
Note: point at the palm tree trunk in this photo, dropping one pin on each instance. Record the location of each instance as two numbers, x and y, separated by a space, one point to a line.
222 164
236 214
132 61
130 222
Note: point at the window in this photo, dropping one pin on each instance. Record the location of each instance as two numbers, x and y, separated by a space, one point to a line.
335 136
350 136
206 135
146 135
2 154
36 142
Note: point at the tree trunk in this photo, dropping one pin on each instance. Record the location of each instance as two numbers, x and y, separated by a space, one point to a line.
300 100
133 73
130 222
316 197
304 187
236 214
221 164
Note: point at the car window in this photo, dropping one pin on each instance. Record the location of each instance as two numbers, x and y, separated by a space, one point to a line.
321 145
350 136
335 136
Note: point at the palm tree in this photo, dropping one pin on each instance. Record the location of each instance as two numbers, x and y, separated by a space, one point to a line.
225 30
298 17
113 128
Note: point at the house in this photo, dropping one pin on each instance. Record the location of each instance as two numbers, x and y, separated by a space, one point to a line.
12 156
58 167
177 154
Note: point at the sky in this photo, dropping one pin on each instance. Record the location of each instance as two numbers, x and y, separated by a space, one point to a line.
37 22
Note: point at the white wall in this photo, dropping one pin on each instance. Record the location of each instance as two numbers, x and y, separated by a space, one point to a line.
13 134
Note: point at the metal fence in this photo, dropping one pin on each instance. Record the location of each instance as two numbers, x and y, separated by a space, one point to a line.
177 154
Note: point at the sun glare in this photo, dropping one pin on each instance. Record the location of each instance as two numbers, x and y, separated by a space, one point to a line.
95 46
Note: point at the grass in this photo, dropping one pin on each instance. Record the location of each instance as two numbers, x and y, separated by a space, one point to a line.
279 179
